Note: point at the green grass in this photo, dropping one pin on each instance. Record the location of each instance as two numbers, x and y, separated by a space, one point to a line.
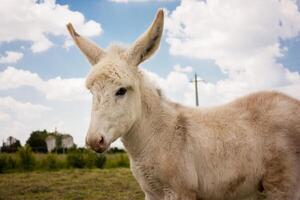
11 162
116 160
75 184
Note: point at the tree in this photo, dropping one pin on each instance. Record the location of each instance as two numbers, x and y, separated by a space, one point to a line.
11 145
115 150
37 141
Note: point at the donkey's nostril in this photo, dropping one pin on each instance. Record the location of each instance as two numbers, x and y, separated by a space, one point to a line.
101 140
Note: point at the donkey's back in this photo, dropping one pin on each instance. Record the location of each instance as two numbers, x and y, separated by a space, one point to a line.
254 140
272 115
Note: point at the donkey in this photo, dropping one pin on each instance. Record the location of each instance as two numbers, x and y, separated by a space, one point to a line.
246 149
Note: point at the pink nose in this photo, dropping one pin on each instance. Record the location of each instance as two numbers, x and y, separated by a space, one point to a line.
99 145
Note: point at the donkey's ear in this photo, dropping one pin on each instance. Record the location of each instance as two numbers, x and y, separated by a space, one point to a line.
88 48
148 43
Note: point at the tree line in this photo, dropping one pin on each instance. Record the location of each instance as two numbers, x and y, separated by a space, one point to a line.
37 143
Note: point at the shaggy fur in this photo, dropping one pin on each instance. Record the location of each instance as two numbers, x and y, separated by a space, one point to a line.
244 150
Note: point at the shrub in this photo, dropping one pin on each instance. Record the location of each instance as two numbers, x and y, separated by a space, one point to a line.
83 158
76 159
3 163
123 161
51 162
90 159
113 150
11 162
7 162
100 161
27 160
117 160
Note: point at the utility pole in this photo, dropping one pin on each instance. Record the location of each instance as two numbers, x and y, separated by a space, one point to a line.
196 90
196 80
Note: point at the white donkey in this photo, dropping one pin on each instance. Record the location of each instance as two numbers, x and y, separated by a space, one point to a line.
247 149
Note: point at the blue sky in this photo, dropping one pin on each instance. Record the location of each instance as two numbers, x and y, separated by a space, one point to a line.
235 52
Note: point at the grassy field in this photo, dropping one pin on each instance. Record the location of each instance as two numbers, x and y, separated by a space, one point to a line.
28 161
75 184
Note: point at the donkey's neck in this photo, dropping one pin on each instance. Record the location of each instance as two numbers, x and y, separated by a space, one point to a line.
158 118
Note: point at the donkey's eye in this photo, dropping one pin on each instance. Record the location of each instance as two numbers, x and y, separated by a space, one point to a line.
122 91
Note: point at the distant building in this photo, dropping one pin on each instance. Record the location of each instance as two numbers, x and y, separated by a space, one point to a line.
67 141
51 143
56 141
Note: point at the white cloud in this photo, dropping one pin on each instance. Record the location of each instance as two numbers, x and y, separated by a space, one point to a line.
174 86
18 118
292 90
11 57
21 110
187 69
72 89
242 38
35 21
140 1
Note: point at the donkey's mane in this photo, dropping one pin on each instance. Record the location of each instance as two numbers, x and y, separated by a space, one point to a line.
151 84
116 49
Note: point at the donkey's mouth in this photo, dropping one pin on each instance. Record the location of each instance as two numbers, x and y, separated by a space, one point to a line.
102 148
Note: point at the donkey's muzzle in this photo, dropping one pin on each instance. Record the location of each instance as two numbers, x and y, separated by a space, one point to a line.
99 145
